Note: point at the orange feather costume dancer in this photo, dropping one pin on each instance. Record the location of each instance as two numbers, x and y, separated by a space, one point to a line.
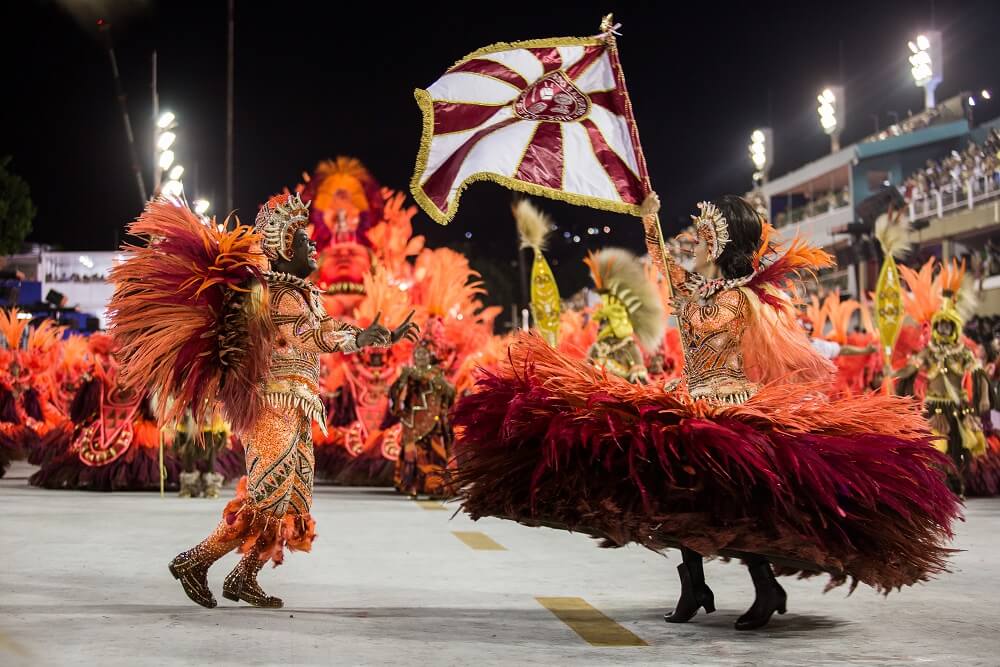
748 458
28 394
222 320
946 370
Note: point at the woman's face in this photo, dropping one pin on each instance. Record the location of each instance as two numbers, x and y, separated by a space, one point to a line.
702 260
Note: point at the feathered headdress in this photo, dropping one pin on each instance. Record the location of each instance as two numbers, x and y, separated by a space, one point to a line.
189 314
815 314
619 274
12 327
534 227
923 296
840 313
342 184
955 301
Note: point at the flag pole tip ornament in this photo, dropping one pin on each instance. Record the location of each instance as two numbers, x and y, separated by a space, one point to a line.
546 117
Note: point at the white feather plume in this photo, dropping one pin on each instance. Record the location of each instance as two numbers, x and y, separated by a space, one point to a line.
893 232
533 226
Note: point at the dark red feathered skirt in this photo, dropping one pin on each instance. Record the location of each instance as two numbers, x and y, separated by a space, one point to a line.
851 487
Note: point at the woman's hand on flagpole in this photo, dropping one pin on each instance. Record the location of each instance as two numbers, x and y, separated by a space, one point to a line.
650 205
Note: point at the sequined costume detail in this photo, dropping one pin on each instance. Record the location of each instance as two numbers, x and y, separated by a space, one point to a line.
304 332
421 397
711 333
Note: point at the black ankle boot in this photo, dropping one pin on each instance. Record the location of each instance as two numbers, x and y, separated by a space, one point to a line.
695 593
770 596
192 572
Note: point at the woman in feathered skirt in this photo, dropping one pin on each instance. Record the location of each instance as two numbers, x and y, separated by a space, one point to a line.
749 458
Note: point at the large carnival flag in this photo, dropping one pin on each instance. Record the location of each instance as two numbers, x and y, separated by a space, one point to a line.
548 117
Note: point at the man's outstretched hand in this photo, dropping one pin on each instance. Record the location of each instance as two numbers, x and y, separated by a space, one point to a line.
407 329
375 335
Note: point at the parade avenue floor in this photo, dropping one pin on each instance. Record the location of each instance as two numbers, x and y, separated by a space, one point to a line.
390 581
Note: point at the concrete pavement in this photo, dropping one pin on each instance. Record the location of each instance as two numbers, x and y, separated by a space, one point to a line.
83 580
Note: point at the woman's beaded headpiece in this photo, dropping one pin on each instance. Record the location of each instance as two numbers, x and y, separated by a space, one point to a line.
712 228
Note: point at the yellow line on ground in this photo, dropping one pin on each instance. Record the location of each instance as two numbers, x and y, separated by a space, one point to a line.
594 627
7 644
431 504
478 541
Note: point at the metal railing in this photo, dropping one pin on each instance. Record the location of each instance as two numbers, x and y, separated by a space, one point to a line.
814 209
954 196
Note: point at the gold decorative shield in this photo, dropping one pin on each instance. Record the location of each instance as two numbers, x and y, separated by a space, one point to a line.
545 299
888 305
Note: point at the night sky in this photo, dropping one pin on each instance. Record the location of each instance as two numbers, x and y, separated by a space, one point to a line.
316 80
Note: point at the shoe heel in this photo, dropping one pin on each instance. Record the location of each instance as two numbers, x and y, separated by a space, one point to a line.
709 604
781 608
173 571
231 590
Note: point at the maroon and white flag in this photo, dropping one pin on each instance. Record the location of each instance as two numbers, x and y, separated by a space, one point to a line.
547 117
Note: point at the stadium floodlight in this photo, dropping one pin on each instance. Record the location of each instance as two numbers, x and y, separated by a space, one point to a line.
831 113
166 120
172 189
166 159
926 63
761 152
165 140
201 206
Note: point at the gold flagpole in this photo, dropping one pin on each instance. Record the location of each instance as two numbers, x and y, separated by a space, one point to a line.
608 30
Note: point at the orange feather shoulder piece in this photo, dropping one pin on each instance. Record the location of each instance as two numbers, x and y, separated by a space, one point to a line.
189 315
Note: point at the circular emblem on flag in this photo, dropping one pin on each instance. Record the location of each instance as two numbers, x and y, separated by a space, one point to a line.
552 98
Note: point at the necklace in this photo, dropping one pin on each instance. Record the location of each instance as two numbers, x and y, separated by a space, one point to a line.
705 288
278 277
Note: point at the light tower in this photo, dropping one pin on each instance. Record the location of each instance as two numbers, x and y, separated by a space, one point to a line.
831 114
761 153
165 137
926 63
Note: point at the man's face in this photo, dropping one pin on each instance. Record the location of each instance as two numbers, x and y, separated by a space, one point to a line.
421 357
945 329
303 261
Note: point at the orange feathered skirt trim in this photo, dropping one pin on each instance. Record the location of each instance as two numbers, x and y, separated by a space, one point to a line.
271 534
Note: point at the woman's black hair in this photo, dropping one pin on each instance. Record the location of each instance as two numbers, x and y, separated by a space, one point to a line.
745 229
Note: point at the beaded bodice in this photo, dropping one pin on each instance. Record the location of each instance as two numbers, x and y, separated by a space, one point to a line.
712 329
304 331
713 316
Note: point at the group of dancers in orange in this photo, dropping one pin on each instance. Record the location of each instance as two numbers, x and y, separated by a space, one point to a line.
698 399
